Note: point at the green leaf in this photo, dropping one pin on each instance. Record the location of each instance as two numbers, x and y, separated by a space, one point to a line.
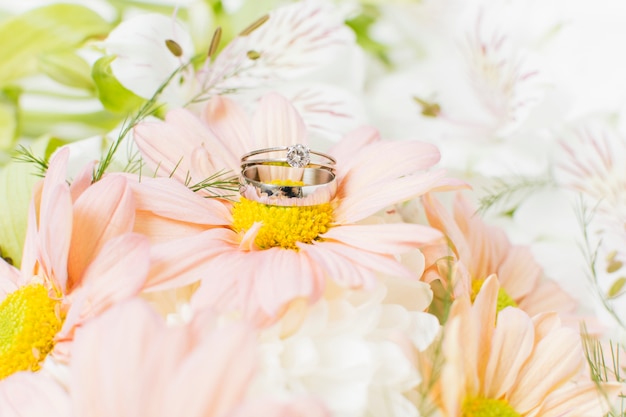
57 27
16 184
9 117
68 69
113 95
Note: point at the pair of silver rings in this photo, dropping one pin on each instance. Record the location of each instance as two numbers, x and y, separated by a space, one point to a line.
288 176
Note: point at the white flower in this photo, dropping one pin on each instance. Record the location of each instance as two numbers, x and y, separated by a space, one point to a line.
149 48
351 351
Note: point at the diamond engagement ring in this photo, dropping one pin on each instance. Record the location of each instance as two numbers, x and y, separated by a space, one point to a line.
294 180
296 156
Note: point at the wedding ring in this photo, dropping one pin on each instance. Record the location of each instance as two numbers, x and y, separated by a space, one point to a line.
296 156
319 187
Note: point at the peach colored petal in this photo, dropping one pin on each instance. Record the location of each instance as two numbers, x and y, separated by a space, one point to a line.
556 359
102 390
117 273
386 160
170 199
258 284
230 124
55 231
391 238
213 379
339 268
300 407
353 267
519 273
83 180
105 210
29 394
548 296
179 262
9 279
167 146
545 323
276 123
343 151
55 220
513 342
484 315
361 203
441 219
584 399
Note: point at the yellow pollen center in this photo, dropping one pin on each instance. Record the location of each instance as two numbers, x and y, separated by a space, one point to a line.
29 320
487 407
283 226
504 299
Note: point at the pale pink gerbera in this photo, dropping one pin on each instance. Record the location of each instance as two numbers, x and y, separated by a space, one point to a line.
513 366
263 257
76 263
127 362
480 250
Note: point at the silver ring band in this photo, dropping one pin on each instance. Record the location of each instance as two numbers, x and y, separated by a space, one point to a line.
285 163
320 187
297 156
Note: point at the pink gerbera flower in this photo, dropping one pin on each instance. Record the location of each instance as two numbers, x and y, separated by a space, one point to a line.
480 250
262 257
76 263
513 366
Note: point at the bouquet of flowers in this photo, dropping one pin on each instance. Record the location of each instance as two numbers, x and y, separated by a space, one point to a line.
311 208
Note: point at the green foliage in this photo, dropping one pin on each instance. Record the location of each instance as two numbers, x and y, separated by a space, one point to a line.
16 183
49 29
361 25
68 69
9 117
113 95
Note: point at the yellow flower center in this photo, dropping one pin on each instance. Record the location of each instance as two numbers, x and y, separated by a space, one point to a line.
283 226
29 320
504 299
487 407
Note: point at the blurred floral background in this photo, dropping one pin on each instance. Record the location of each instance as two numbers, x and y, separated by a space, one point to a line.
483 143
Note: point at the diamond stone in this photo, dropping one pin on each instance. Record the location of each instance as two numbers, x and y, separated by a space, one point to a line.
298 156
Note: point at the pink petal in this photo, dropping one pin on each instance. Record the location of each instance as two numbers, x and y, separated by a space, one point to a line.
102 390
182 261
519 272
117 273
390 239
512 343
104 211
231 126
299 407
343 151
55 220
214 378
560 353
351 266
55 231
167 146
276 123
484 315
361 203
33 394
9 279
548 296
386 160
584 399
262 283
443 220
83 180
168 198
